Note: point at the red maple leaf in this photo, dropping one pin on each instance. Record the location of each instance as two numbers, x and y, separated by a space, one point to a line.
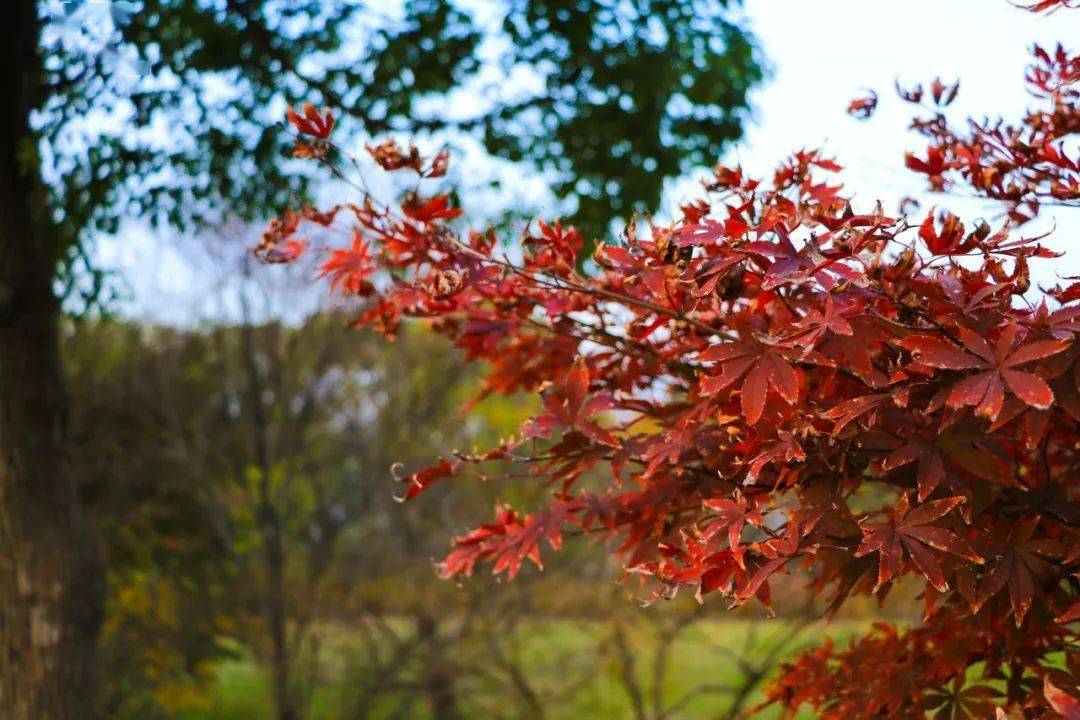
863 107
986 390
317 123
569 408
1062 702
349 268
431 210
962 702
761 366
1021 566
730 517
912 533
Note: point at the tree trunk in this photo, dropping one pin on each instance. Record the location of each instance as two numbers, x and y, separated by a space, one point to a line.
50 572
269 518
439 680
273 550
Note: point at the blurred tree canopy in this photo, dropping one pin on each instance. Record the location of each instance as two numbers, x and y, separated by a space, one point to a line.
168 109
201 450
166 428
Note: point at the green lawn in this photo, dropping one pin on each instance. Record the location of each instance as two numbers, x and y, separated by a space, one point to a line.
560 658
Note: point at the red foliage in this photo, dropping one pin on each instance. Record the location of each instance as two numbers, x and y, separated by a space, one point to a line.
864 106
741 375
316 123
1024 165
1047 5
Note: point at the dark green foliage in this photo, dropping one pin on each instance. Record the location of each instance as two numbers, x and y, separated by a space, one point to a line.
167 110
639 91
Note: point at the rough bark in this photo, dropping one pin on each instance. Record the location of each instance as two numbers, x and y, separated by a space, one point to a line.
50 575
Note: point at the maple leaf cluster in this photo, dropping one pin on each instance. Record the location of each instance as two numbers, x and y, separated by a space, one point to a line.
738 377
1025 165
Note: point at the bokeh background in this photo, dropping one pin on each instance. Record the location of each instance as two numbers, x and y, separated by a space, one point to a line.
235 437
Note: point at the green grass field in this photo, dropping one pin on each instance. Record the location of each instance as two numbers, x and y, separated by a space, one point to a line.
555 654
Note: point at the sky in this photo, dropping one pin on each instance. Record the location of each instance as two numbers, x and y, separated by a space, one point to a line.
826 52
822 53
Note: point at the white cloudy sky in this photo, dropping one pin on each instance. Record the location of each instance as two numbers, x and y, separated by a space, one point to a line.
823 53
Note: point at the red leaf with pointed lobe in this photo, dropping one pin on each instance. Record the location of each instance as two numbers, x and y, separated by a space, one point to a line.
912 533
760 367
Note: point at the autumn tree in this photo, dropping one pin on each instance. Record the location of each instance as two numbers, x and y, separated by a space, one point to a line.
745 374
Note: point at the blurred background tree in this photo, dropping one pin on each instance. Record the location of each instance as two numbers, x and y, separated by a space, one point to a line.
227 466
168 109
166 112
149 415
259 565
